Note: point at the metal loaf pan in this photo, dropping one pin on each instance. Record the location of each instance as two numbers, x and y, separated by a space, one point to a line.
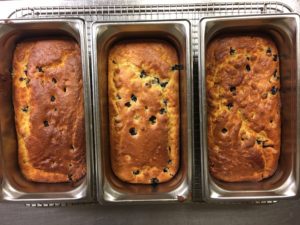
14 186
110 188
284 30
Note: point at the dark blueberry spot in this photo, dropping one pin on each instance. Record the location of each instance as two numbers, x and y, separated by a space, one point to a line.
25 72
248 67
152 119
248 58
21 79
177 67
70 177
132 131
52 98
136 172
148 85
65 89
162 111
46 123
143 74
169 148
25 109
224 130
114 62
275 58
146 107
155 80
271 121
127 104
133 98
165 101
274 90
40 69
169 161
258 141
118 97
55 109
269 51
164 84
232 51
166 169
232 88
229 105
154 181
54 80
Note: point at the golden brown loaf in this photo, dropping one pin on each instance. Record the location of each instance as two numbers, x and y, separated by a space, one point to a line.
49 112
144 111
243 100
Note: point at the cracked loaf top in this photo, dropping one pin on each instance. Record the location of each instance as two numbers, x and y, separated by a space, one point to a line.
243 107
49 112
144 110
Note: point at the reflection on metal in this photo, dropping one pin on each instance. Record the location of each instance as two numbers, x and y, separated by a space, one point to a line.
14 186
110 188
144 10
141 12
284 30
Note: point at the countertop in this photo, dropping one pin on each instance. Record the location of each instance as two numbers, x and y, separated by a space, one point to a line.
281 213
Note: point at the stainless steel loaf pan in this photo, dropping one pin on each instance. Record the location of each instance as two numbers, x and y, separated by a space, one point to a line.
14 186
284 30
110 188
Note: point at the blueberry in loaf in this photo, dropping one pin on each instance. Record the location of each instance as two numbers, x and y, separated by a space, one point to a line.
243 107
144 110
49 111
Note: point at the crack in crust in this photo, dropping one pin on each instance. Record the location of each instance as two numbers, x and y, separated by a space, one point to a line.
49 115
243 103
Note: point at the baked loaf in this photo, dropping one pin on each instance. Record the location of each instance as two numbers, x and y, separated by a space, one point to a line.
243 107
49 112
144 111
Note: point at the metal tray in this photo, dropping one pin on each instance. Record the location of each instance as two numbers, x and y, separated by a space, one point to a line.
110 188
284 30
141 10
14 186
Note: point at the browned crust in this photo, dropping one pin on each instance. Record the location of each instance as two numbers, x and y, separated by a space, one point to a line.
152 155
49 112
243 106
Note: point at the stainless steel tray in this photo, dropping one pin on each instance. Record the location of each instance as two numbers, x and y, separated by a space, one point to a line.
14 186
110 188
119 10
284 30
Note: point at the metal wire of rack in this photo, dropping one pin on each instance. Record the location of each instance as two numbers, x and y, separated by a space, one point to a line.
191 12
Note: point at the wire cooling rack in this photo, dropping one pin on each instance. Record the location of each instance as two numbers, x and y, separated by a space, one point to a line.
136 12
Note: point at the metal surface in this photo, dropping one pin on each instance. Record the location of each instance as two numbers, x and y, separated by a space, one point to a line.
110 188
14 186
149 10
118 10
282 213
284 30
